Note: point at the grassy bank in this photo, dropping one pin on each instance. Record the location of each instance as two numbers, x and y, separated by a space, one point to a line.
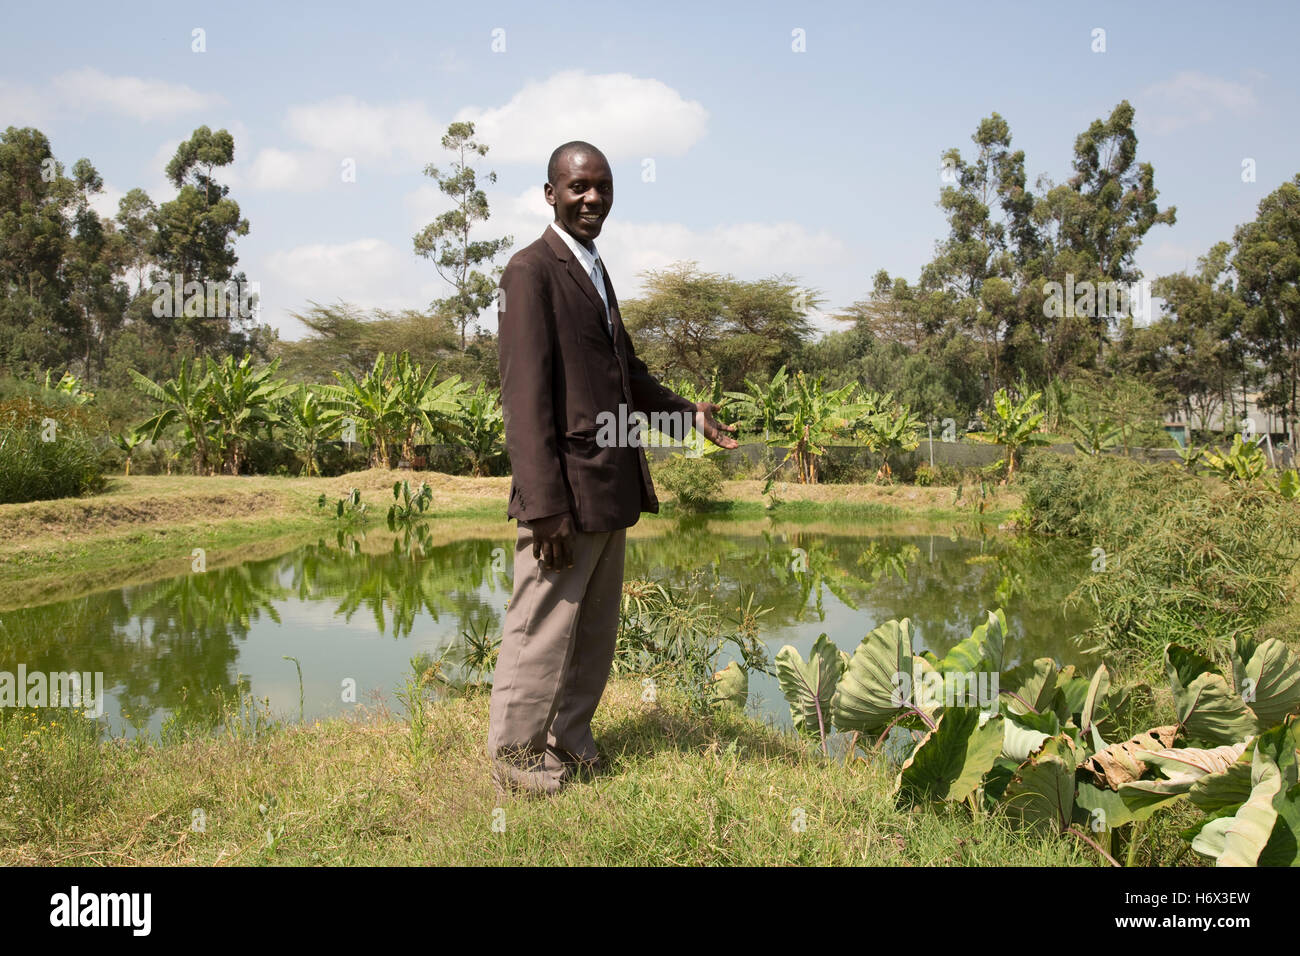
145 528
679 790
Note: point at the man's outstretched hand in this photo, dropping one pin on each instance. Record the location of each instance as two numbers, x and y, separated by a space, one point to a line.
711 428
553 541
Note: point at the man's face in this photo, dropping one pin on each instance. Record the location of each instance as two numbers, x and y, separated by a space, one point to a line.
582 194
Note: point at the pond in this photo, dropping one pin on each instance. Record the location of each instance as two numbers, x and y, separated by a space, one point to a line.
354 611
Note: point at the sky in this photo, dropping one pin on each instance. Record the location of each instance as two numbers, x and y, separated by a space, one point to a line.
755 139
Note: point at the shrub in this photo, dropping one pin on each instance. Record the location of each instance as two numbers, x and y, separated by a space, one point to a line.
1182 559
33 469
694 482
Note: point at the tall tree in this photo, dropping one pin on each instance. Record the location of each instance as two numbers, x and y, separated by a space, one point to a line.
689 323
37 201
1198 349
195 239
1267 262
446 240
1093 226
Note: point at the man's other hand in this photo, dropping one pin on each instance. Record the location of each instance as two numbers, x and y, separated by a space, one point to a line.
711 428
553 541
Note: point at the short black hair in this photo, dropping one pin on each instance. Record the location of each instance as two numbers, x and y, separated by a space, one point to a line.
573 146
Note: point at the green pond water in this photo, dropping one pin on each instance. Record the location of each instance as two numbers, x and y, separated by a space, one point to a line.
355 619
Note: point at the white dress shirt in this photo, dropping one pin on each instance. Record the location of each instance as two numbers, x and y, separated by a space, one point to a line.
590 260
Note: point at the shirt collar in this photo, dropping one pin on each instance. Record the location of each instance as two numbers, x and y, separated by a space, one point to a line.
586 256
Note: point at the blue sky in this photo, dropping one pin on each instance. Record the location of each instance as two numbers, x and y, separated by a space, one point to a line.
822 164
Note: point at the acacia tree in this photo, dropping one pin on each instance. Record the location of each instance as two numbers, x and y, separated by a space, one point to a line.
691 322
446 240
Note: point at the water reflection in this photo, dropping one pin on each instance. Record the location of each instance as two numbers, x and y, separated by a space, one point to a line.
357 610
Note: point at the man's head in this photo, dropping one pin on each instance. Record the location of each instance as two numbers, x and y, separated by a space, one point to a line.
580 186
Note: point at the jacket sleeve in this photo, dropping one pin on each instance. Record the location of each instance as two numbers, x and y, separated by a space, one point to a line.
526 347
648 395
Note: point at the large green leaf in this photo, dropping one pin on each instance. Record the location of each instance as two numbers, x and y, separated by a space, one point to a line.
809 685
1229 788
1239 840
1097 689
1024 734
1042 792
1106 808
1267 676
982 651
1209 710
1034 686
731 687
867 698
951 760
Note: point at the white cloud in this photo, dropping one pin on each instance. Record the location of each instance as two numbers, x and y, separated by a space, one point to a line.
348 127
1191 98
290 170
22 105
132 96
625 116
370 273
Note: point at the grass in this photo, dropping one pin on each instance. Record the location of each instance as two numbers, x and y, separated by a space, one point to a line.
680 790
1190 560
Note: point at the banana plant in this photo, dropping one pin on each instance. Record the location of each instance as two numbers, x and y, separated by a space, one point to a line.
308 425
482 428
70 386
425 405
1014 424
1092 436
373 404
758 407
242 399
889 430
128 441
1244 462
185 399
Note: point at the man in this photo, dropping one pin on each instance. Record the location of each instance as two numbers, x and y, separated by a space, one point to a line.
567 365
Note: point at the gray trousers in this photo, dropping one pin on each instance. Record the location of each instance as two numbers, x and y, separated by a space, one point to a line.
556 652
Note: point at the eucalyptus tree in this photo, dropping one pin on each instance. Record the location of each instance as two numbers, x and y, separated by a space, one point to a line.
1267 262
446 240
196 231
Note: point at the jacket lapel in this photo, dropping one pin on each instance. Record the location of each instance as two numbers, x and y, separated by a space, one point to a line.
575 270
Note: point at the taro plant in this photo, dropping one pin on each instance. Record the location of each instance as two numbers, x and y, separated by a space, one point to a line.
349 509
1033 741
408 505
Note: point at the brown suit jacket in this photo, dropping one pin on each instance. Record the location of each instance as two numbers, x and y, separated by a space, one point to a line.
559 370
